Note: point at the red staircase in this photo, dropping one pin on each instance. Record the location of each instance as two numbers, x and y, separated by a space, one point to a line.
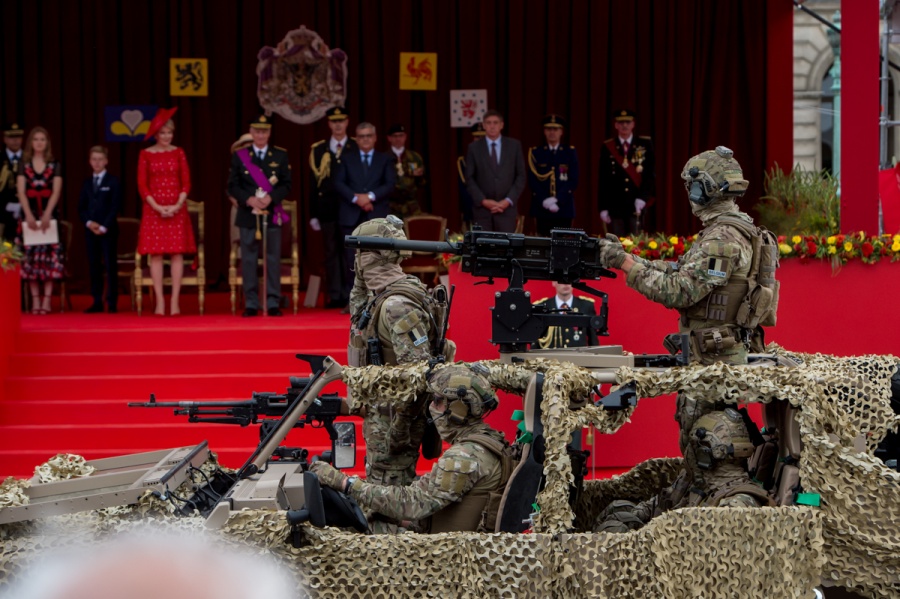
72 375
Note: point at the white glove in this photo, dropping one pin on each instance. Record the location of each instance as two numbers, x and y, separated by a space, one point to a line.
550 204
639 205
314 224
604 216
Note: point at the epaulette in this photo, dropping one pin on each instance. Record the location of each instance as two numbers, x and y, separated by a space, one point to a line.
543 299
584 297
279 148
643 137
606 141
318 143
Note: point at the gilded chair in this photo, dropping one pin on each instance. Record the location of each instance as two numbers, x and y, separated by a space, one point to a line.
289 266
194 264
424 227
128 240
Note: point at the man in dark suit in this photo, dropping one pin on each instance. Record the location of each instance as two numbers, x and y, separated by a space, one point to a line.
98 207
553 178
557 336
495 176
324 158
9 164
627 177
364 182
260 179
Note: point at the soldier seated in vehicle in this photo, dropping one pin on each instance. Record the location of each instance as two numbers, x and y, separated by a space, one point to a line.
463 490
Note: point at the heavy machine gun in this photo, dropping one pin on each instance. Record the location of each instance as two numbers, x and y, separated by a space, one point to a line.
568 256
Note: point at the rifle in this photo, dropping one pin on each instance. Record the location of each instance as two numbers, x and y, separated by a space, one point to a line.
567 256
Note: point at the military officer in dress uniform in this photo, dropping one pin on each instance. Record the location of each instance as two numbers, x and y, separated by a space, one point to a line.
260 179
324 158
553 178
627 177
406 198
9 163
465 200
565 301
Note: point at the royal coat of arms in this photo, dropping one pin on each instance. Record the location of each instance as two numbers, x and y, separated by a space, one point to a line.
302 77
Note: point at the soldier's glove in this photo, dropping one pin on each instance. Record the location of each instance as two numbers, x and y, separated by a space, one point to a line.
328 475
612 254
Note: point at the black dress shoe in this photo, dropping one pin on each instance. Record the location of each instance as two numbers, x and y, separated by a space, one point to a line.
335 304
112 309
248 312
94 309
274 312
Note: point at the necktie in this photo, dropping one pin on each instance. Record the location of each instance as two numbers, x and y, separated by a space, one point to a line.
494 153
564 307
260 155
366 162
96 183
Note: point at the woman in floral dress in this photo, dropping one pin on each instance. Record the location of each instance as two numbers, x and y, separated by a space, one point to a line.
164 182
39 185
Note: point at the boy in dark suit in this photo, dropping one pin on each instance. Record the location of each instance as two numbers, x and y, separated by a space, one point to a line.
98 207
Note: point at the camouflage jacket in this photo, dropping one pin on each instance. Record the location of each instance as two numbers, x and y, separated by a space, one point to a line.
405 330
466 467
720 252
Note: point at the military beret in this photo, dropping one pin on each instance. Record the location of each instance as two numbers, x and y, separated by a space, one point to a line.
13 130
624 114
337 113
396 129
478 130
261 122
554 120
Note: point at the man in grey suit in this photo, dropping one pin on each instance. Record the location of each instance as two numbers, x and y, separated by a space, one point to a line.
364 181
495 176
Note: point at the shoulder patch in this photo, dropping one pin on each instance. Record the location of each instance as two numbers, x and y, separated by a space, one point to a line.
318 143
455 471
543 299
280 148
586 298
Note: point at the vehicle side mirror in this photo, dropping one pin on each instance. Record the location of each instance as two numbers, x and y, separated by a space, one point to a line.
343 448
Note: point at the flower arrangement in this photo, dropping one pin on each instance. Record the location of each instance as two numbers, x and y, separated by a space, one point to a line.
448 259
10 256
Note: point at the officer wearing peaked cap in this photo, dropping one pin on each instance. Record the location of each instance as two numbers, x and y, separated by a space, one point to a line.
9 163
627 183
553 178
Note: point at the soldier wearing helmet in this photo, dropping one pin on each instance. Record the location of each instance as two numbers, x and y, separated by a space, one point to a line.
714 476
394 320
462 492
716 281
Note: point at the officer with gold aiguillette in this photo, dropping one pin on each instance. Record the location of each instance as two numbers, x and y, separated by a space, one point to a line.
9 164
553 178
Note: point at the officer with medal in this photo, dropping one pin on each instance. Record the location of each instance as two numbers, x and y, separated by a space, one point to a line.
324 158
9 164
260 179
565 301
627 183
553 178
405 200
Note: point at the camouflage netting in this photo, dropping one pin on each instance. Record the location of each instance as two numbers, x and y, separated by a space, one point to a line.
709 552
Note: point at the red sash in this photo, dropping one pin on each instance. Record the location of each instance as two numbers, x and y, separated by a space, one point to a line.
632 172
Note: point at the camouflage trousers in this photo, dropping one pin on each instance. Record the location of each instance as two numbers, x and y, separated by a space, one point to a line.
393 439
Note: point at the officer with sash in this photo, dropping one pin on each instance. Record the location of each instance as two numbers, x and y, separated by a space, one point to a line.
627 184
9 164
260 179
553 178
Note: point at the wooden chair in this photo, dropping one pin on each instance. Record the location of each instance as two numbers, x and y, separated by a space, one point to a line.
194 264
520 223
424 227
128 240
289 264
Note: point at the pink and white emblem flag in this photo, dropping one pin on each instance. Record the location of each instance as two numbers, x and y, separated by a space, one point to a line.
467 106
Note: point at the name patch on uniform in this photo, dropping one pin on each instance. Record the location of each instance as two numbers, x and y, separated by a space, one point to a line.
716 268
420 340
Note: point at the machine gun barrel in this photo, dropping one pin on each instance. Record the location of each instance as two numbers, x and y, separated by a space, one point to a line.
361 242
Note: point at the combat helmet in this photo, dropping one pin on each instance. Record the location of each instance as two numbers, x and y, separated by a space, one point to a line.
719 437
389 227
466 390
712 175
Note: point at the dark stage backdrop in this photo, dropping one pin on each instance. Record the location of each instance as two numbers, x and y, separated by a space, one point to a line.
694 70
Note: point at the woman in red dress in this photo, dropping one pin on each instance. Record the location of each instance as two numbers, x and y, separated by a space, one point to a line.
164 182
39 185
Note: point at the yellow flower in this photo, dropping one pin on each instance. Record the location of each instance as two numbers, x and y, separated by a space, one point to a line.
896 245
7 244
848 246
896 238
796 239
627 242
832 249
785 249
653 245
831 239
673 239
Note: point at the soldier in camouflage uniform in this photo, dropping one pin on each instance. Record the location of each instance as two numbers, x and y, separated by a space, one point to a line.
462 491
714 476
407 195
396 309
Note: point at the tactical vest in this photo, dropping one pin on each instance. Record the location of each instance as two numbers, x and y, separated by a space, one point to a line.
735 311
434 304
478 509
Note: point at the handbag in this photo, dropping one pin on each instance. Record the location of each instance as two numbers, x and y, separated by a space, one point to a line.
39 237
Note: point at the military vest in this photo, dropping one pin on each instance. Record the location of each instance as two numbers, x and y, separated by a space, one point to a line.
434 304
478 509
731 315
